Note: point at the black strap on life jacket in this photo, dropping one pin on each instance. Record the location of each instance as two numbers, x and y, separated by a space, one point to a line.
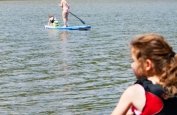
150 87
52 21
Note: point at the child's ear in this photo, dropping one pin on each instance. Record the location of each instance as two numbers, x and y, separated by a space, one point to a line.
148 64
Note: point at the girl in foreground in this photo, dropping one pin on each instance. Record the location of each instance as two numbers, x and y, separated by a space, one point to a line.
155 91
65 12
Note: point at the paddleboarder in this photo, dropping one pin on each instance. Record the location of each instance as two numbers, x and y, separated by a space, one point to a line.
154 64
65 12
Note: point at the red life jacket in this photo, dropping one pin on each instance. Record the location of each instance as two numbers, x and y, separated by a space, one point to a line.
155 104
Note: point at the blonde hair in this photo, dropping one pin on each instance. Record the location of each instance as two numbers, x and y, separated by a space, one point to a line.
50 15
155 48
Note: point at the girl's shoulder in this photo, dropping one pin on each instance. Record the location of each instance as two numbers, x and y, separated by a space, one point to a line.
134 90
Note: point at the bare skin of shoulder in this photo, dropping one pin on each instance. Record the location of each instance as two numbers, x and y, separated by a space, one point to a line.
64 4
128 98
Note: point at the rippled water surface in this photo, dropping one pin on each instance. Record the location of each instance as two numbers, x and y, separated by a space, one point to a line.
58 72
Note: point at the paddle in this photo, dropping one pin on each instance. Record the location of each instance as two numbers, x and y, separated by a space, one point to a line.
77 18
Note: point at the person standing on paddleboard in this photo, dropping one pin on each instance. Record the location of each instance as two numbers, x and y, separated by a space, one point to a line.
154 64
65 12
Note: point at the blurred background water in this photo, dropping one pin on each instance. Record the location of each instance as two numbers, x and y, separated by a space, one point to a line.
58 72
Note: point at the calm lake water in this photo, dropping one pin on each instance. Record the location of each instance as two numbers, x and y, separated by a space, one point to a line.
56 72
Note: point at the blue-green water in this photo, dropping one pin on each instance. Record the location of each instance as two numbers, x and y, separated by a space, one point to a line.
58 72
